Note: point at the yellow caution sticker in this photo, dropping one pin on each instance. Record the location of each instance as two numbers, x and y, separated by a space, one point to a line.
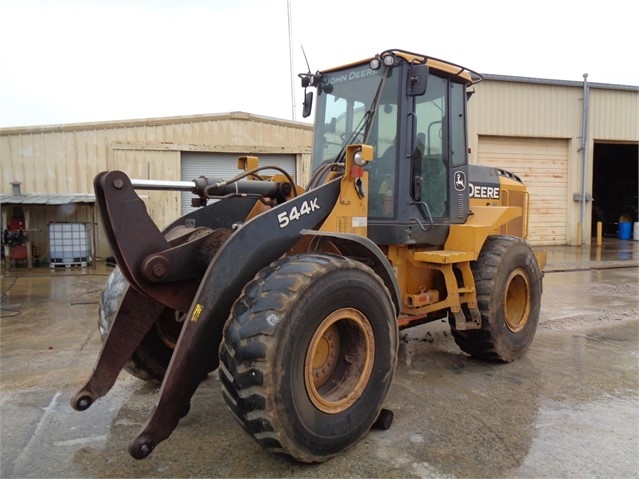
196 313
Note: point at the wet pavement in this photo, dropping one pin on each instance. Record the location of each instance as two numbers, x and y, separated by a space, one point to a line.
569 408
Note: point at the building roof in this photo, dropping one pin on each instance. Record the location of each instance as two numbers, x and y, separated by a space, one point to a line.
545 81
236 115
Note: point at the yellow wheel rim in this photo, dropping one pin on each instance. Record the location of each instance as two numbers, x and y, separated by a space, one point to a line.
517 301
339 360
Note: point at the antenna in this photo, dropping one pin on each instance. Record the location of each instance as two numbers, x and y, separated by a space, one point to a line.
305 59
308 79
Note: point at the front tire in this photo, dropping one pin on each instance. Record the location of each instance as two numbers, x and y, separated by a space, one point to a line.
308 355
508 285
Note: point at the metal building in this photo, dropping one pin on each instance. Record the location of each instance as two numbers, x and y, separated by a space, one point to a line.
47 172
575 144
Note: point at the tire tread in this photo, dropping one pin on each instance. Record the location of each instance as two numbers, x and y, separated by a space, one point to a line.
483 343
249 336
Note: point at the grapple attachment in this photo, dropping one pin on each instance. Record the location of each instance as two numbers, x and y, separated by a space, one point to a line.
197 267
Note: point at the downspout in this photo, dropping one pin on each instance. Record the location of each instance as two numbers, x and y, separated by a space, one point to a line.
584 148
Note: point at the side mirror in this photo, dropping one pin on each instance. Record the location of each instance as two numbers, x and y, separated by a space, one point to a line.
417 79
308 104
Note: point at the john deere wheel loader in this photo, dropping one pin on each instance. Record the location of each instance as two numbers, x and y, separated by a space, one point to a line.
296 295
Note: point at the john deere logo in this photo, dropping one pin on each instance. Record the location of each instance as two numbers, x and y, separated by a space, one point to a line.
460 181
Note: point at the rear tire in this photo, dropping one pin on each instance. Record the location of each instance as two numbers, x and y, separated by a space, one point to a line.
151 359
509 285
308 355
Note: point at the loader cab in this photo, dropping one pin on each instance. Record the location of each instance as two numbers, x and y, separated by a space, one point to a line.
414 115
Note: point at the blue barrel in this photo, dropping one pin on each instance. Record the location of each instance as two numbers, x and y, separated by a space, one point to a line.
625 230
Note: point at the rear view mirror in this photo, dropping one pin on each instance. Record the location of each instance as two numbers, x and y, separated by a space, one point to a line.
417 79
308 104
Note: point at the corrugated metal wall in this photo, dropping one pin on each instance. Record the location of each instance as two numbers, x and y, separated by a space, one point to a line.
519 109
52 160
614 115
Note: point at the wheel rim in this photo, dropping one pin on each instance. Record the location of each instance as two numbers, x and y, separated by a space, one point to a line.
517 301
339 360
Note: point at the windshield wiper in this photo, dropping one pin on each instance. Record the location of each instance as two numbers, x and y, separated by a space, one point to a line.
366 120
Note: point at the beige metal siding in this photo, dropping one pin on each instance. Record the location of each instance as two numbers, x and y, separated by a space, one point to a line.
614 115
523 109
542 164
163 206
52 161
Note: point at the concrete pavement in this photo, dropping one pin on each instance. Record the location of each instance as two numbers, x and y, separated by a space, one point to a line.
569 408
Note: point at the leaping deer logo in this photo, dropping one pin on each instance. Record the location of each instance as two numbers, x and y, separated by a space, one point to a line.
460 181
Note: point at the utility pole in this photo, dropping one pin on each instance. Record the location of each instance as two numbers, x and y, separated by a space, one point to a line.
290 57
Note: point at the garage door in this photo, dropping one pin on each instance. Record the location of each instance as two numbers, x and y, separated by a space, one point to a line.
542 163
224 165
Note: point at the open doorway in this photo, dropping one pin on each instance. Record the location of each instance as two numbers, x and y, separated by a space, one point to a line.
614 185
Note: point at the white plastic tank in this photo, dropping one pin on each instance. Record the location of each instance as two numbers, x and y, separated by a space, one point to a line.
635 231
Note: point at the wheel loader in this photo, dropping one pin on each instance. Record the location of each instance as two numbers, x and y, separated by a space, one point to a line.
295 295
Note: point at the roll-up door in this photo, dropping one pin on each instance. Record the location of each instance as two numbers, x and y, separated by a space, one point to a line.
542 163
224 165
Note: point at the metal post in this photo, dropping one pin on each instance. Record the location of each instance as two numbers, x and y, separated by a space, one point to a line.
599 233
290 57
584 148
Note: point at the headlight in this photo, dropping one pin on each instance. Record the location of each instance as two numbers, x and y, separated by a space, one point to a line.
358 159
389 60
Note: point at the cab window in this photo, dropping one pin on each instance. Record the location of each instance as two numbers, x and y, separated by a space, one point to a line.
431 112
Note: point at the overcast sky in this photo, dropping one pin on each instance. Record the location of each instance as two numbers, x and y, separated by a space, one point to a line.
85 61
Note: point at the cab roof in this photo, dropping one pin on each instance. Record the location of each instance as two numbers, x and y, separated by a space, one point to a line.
469 76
